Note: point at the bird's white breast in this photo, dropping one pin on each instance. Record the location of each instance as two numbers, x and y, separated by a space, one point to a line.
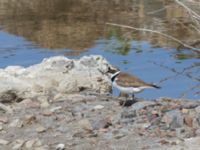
129 89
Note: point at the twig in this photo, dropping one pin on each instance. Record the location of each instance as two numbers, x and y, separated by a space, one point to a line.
188 9
157 32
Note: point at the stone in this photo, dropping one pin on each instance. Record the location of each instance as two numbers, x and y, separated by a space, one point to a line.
4 119
60 146
5 108
3 142
173 119
142 104
85 124
1 127
40 129
188 121
16 123
55 108
185 111
100 123
28 103
98 107
29 144
47 113
29 119
197 109
18 144
54 74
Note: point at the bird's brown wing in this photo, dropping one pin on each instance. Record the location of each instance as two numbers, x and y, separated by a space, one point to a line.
126 80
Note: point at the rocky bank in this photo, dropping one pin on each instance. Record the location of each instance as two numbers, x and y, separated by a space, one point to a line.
65 104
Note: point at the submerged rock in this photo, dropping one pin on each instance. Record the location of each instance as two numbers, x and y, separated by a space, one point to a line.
53 75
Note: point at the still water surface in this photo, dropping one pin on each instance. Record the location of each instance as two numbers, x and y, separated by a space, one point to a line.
32 31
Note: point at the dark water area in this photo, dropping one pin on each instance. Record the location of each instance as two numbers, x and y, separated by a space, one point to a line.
33 30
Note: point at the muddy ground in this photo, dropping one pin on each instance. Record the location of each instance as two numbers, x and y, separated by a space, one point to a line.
92 121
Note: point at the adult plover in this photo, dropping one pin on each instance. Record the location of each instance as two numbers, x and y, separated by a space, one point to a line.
129 84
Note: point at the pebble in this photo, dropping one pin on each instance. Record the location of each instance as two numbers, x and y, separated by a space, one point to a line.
40 129
28 103
85 124
29 119
98 107
3 142
47 113
55 108
119 136
188 121
16 123
185 111
18 144
1 127
29 144
60 146
173 119
4 119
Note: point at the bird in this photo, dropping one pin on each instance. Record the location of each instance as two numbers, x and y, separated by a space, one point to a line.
127 83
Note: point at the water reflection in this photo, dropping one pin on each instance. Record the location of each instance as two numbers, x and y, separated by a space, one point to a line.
77 24
32 30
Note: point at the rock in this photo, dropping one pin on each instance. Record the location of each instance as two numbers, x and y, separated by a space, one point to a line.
142 104
5 108
28 103
29 119
55 108
1 127
29 144
3 142
119 136
47 113
40 129
38 142
101 123
85 124
8 96
188 121
41 148
98 107
54 74
16 123
173 119
60 146
185 111
4 119
197 109
18 144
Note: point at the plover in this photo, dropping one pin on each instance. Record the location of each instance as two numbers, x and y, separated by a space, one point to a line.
129 84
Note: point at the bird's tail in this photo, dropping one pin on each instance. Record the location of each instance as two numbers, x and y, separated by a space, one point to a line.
155 86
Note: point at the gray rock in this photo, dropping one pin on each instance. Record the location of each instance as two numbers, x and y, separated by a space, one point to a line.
173 119
140 105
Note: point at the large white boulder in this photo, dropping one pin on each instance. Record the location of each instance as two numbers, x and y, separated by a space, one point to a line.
57 74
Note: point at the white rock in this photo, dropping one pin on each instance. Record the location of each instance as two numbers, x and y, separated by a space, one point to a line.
98 107
57 74
60 146
3 142
29 144
18 144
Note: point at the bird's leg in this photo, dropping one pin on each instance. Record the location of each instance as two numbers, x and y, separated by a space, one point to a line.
124 103
133 97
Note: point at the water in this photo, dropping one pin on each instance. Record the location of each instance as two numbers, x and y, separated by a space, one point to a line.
33 31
